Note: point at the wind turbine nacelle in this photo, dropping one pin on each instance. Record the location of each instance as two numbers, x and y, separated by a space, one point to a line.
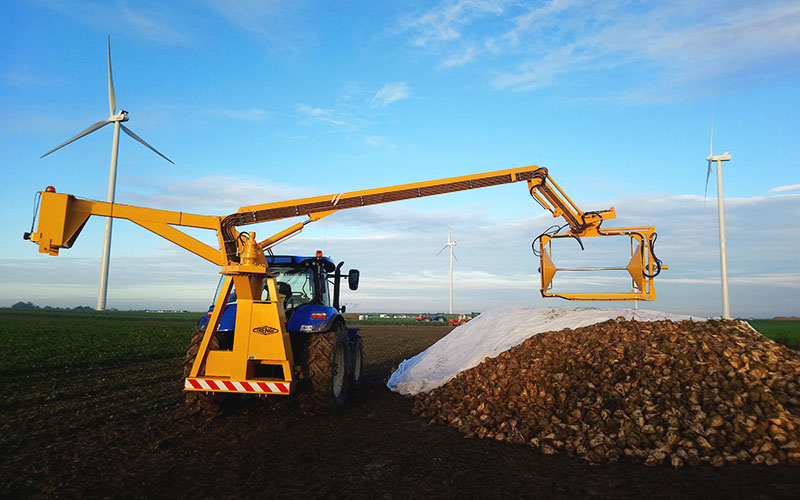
122 116
722 157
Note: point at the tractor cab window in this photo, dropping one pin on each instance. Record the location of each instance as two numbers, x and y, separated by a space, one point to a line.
296 285
325 298
231 296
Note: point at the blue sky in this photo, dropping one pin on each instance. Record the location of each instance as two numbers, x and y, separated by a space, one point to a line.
266 101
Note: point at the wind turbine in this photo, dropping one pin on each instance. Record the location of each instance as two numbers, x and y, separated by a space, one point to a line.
450 244
115 117
726 308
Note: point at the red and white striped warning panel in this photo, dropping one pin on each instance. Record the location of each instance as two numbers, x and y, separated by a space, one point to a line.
207 384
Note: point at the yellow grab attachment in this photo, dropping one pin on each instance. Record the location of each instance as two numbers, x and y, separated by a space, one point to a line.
547 270
635 268
642 267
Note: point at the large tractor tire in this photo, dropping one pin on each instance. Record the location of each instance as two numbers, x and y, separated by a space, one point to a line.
326 360
356 361
206 404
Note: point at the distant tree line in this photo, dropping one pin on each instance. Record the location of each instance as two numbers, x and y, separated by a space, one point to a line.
31 305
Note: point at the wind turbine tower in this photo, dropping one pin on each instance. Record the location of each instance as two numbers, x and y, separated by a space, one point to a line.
450 244
726 308
115 117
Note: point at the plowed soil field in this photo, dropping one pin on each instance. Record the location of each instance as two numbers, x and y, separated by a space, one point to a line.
121 432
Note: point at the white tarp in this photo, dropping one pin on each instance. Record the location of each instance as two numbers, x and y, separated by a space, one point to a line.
494 332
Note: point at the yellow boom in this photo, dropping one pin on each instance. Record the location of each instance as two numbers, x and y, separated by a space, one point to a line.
62 217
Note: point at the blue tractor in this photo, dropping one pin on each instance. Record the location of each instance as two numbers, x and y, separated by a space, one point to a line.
304 286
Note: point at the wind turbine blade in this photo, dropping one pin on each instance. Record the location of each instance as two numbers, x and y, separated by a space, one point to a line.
112 97
710 154
454 256
85 132
442 250
128 131
711 141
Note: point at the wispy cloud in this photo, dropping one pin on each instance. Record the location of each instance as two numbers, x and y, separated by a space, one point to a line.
672 46
158 24
230 193
531 75
355 108
391 92
313 114
446 21
24 76
462 57
783 189
279 27
154 28
377 141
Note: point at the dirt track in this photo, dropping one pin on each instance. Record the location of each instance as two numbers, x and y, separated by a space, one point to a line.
122 433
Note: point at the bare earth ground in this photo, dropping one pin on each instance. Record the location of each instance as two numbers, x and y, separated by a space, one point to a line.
121 432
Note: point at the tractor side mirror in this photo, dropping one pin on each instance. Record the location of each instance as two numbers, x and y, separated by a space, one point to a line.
352 279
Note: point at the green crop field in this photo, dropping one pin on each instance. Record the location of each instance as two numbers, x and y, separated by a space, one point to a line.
44 339
55 338
785 332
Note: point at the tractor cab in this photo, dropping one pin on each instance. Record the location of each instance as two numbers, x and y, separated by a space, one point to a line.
304 288
301 281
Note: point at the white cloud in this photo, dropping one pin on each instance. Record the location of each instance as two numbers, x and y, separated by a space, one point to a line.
279 27
675 47
159 24
531 75
784 280
25 76
376 141
446 21
391 92
355 108
466 55
230 193
153 28
320 115
783 189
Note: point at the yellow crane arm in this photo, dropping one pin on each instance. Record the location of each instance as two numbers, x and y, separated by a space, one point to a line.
62 216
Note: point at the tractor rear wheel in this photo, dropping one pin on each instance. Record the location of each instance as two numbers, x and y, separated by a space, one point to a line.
206 404
326 357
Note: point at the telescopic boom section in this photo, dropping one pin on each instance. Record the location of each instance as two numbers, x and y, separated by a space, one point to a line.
322 206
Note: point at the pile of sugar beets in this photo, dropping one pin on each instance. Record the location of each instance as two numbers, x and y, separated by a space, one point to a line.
683 392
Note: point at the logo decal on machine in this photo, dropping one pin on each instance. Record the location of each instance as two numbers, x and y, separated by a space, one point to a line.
265 330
